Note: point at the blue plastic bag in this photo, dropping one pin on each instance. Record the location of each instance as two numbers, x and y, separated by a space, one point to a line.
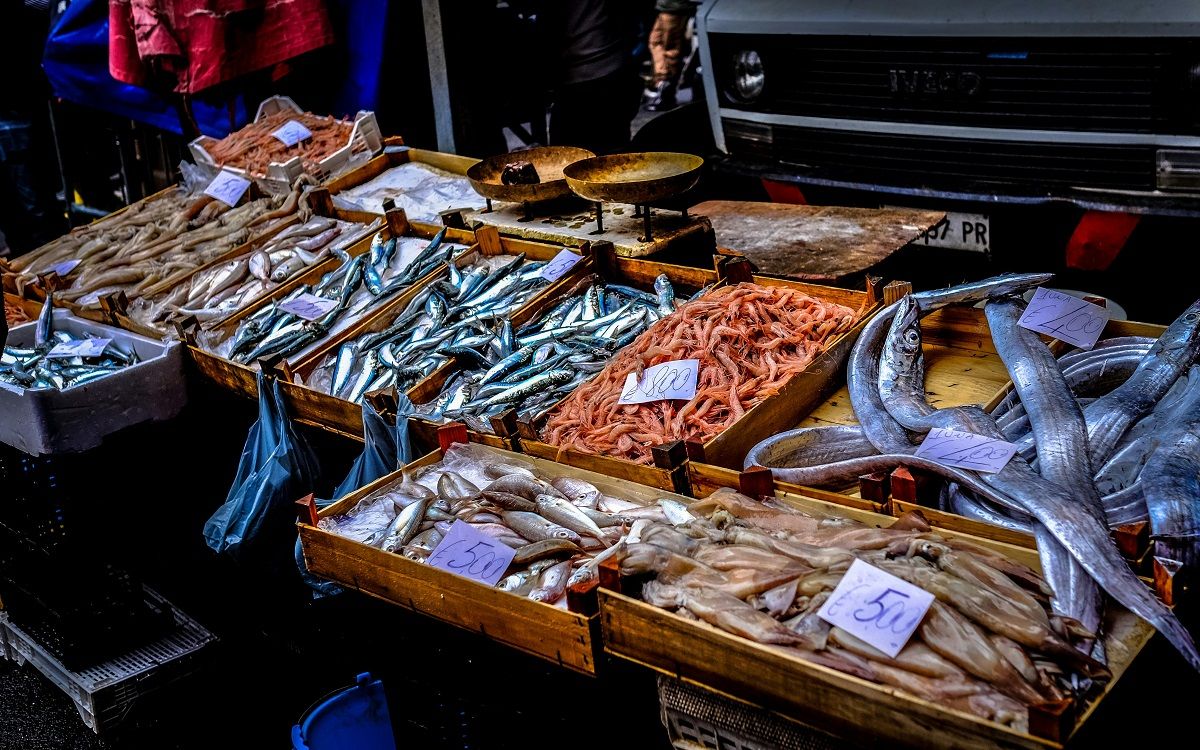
276 469
385 449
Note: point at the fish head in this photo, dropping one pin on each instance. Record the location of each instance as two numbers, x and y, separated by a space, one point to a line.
662 284
1183 333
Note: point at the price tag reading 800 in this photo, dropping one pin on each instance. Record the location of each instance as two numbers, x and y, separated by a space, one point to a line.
472 554
876 607
675 380
1064 317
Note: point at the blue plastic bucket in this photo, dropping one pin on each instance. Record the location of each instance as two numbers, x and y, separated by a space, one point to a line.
356 717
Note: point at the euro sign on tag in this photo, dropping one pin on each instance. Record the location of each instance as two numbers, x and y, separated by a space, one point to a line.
79 348
308 306
227 187
472 554
668 381
877 607
966 450
557 268
1064 317
291 133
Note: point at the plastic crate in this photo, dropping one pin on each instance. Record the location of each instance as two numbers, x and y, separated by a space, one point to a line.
697 719
105 694
366 140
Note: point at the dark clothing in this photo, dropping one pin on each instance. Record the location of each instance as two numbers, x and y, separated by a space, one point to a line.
596 114
590 38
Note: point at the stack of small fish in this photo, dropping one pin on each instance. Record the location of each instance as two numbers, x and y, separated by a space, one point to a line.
152 242
466 316
988 644
228 287
561 528
546 359
1059 498
33 369
359 284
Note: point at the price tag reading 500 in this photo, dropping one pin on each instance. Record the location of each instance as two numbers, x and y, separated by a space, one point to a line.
877 607
472 554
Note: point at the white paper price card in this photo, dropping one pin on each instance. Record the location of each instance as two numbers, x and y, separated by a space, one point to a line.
291 133
79 348
1064 317
877 607
472 554
65 267
227 187
670 380
308 306
966 450
557 268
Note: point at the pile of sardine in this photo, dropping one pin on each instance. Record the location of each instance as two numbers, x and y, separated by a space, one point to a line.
1061 498
466 316
32 369
150 242
561 528
223 289
535 368
988 644
358 285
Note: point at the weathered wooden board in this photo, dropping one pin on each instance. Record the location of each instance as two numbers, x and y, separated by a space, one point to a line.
826 244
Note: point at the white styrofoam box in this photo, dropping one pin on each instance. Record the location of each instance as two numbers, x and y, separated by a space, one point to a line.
366 140
79 417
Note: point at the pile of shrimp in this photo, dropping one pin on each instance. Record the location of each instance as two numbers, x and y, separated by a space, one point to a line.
253 147
749 340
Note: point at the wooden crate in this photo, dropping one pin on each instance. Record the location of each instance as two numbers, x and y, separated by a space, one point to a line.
315 407
847 706
569 639
774 414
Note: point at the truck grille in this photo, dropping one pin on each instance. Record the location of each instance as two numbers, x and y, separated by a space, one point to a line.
1126 85
943 163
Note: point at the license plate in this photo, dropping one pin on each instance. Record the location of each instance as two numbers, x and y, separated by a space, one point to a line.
959 232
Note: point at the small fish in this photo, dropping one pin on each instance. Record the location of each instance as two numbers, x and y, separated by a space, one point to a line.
535 528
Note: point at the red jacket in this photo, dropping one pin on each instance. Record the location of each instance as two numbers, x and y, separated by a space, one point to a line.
206 42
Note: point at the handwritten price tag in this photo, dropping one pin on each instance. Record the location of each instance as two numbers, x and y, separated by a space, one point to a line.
877 607
1064 317
966 450
670 380
81 348
308 306
227 187
472 554
557 268
65 267
292 133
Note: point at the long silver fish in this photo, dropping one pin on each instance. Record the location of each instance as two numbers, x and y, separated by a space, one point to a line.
1171 485
1061 435
1076 526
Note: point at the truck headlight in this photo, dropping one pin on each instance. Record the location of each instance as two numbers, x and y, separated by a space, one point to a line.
748 77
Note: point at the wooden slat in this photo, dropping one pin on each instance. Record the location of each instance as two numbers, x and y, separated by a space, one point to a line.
627 470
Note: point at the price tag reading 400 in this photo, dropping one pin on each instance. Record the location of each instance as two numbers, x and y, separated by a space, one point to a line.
1064 317
966 450
472 554
877 607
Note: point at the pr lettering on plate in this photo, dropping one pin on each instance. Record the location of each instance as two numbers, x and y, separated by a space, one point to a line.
966 450
664 382
472 554
1064 317
876 607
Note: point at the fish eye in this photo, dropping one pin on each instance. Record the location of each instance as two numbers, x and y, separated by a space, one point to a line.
912 336
1191 317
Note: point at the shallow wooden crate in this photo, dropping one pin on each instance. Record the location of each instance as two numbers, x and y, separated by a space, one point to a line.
846 706
309 405
772 415
569 639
